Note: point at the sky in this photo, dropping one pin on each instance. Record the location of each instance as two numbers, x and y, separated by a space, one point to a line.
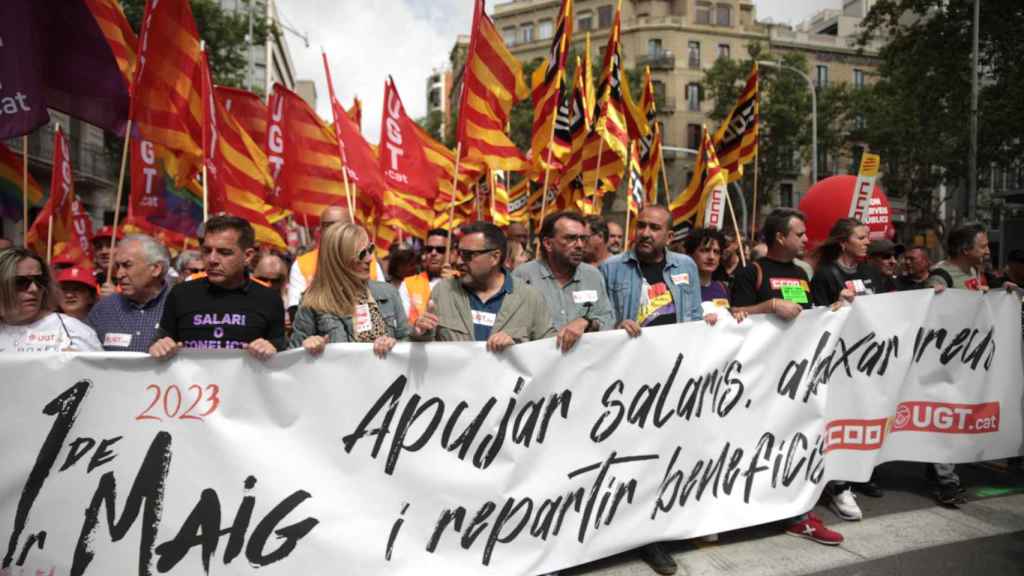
365 41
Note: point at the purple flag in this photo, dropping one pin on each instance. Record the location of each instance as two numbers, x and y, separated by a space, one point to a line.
53 55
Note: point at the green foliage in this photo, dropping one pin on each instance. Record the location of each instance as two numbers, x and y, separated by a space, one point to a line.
432 124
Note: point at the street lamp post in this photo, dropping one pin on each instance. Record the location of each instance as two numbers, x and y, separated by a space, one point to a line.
814 113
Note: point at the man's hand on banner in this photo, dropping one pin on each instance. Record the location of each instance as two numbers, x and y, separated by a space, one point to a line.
164 348
499 341
631 328
383 345
427 321
315 344
711 318
785 309
570 334
261 349
738 315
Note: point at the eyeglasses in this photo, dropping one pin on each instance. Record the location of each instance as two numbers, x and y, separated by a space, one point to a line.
573 238
434 249
22 283
468 255
368 251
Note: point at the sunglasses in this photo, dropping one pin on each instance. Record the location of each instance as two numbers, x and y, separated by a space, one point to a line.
368 251
434 249
22 283
468 255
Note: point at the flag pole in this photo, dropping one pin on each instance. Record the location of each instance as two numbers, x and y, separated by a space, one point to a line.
49 237
753 209
117 196
735 224
629 197
493 184
664 177
206 195
451 206
24 189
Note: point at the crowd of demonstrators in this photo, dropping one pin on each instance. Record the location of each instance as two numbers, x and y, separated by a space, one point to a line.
226 309
573 290
596 250
616 237
415 289
342 303
29 321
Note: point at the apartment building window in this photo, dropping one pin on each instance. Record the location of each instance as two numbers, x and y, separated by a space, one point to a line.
604 16
526 33
693 134
723 15
858 78
724 51
694 54
704 13
545 29
786 194
654 47
659 93
693 97
508 34
584 20
858 122
821 77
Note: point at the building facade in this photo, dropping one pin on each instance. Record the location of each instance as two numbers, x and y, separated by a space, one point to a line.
269 61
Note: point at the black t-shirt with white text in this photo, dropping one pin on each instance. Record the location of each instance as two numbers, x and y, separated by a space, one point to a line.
831 279
784 280
201 315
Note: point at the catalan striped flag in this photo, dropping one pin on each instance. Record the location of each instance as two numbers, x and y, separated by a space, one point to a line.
550 140
443 161
689 207
247 108
518 200
650 145
612 111
10 185
72 225
238 176
492 82
499 198
580 109
409 213
736 138
118 34
637 197
167 105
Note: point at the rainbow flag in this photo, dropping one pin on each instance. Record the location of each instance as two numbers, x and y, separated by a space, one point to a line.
10 185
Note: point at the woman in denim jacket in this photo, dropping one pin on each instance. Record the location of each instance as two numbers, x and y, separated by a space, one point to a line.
342 304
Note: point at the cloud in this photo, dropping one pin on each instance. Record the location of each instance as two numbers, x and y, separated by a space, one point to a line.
366 41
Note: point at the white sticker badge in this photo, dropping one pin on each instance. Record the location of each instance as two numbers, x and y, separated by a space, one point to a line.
362 318
117 340
484 318
584 296
683 278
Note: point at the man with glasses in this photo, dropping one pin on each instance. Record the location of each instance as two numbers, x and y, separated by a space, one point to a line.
486 304
573 290
126 321
304 268
415 290
226 310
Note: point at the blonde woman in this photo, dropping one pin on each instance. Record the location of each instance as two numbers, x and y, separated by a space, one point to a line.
342 304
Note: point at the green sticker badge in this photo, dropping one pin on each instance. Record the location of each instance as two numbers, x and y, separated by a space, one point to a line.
794 294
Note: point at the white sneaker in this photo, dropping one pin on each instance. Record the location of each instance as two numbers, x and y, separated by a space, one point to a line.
844 504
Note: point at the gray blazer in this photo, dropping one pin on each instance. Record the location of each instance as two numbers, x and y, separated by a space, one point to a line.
309 322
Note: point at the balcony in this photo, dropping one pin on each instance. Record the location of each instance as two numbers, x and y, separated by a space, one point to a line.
660 60
665 104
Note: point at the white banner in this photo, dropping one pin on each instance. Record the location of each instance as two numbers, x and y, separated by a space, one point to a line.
444 458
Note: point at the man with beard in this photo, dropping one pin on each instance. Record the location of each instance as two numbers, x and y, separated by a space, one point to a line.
485 304
615 237
415 290
573 290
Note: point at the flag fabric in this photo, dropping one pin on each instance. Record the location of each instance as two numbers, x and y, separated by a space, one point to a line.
518 201
356 112
72 225
580 109
167 105
55 55
155 205
650 145
499 209
550 137
247 108
407 212
736 138
492 82
612 111
237 171
402 158
688 209
10 185
637 197
118 33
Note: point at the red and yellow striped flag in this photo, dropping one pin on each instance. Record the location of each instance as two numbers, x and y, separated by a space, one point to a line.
612 111
248 109
167 105
499 198
550 144
650 145
736 138
518 200
689 207
118 33
492 82
407 212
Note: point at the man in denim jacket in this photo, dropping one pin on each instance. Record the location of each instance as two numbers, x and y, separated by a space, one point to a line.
650 285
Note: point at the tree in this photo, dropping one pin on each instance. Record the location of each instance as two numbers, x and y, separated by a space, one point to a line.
432 123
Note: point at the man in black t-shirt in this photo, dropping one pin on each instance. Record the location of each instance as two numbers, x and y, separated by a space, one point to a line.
776 285
225 310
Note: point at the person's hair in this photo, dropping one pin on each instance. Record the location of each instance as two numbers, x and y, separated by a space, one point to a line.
515 249
598 226
399 257
9 259
702 237
152 250
547 229
335 288
493 237
777 222
184 257
1015 257
832 247
437 232
221 222
961 239
285 259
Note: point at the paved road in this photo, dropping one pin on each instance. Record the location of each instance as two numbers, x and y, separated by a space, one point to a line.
903 534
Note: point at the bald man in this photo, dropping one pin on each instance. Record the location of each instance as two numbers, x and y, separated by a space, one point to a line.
304 268
5 244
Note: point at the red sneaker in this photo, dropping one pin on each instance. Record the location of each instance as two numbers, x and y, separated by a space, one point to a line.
813 529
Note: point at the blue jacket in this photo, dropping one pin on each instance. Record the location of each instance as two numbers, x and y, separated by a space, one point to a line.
623 279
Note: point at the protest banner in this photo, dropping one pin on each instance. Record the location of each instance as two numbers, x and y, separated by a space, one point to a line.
444 458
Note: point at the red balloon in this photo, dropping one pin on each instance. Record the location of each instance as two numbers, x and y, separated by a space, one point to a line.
829 200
